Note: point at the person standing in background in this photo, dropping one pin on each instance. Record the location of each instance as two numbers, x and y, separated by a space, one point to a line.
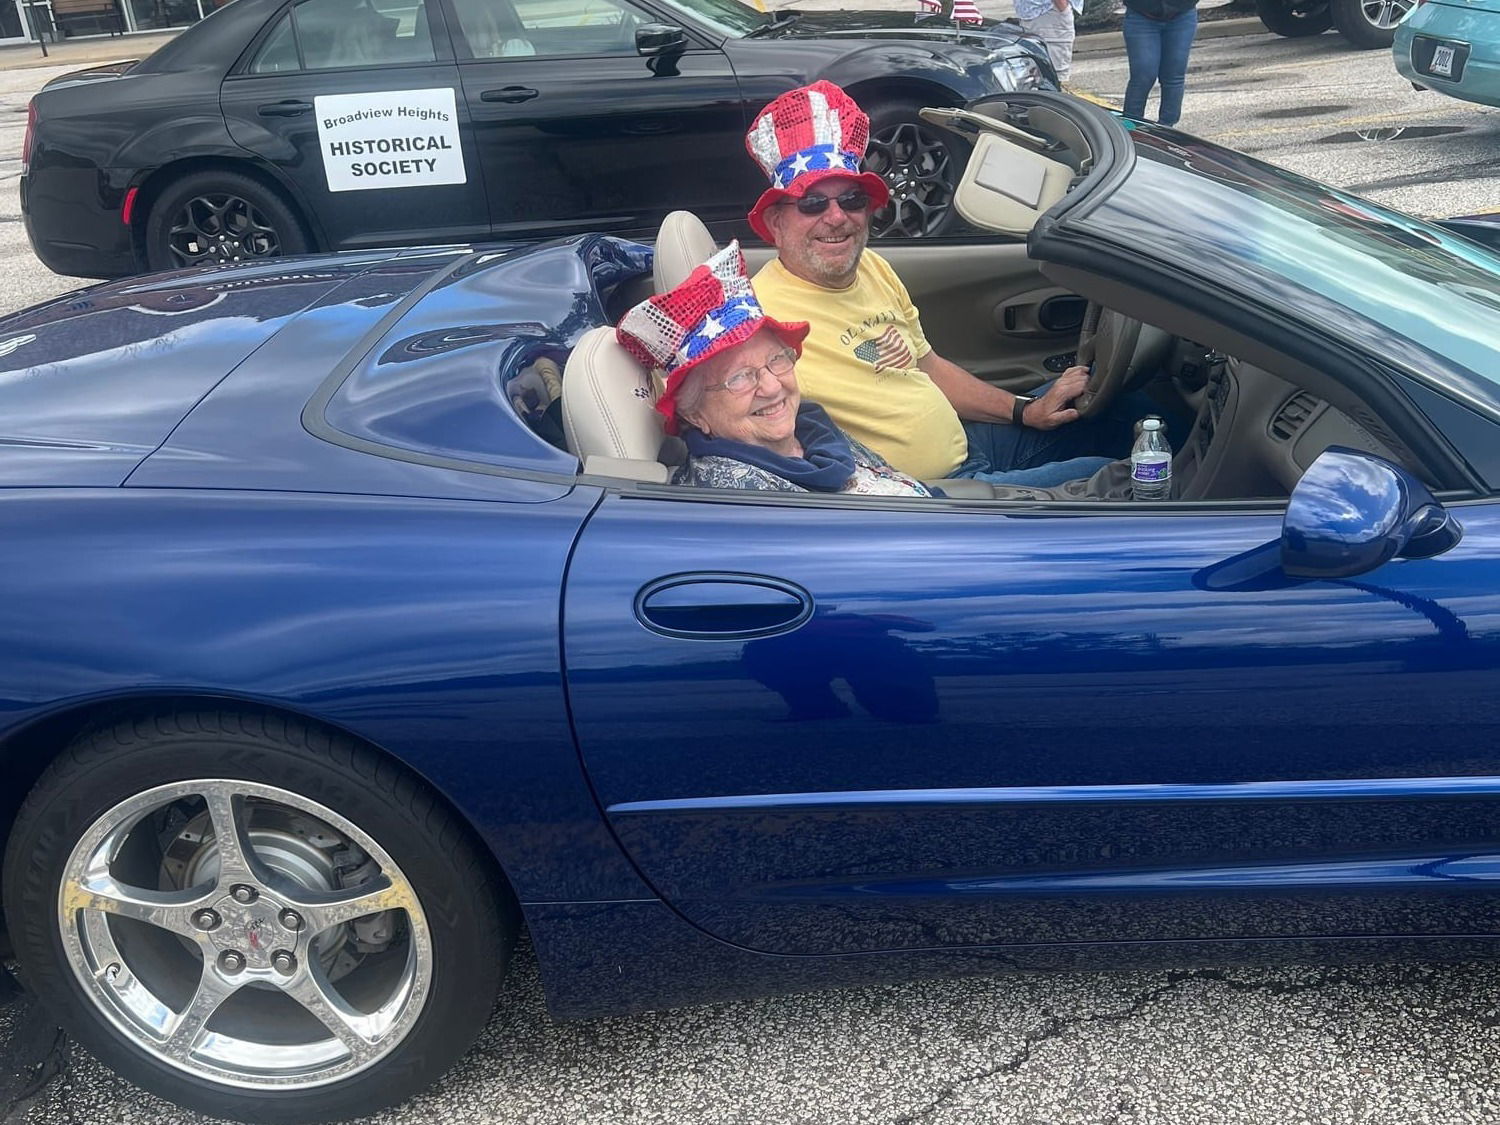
1051 21
1158 37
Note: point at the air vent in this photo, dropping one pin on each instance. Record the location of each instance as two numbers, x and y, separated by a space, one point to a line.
1293 415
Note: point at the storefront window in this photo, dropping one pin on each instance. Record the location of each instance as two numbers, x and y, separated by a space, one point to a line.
152 14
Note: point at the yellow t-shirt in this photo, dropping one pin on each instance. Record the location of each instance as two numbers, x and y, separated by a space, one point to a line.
860 363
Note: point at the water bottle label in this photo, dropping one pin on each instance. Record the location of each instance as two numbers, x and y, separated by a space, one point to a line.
1151 472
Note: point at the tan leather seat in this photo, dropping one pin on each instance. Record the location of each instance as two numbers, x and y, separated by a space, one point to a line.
608 411
682 246
608 399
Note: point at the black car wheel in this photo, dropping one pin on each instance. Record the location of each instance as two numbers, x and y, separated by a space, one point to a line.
921 164
1369 23
253 918
210 218
1294 19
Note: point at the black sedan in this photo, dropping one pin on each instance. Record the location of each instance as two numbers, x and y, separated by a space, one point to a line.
280 128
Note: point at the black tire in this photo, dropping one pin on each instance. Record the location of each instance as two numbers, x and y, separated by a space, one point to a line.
1292 19
464 922
921 164
1368 27
208 218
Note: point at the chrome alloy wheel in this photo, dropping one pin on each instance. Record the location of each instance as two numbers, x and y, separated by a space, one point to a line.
244 934
1385 14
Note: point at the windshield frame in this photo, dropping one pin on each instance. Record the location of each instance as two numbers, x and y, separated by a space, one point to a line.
1399 289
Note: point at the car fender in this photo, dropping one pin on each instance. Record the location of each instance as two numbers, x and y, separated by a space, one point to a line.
914 65
151 181
414 625
199 134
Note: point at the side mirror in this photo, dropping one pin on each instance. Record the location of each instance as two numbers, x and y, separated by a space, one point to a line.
654 39
1352 512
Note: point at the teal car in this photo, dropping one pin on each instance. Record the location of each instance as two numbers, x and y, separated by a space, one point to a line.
1453 48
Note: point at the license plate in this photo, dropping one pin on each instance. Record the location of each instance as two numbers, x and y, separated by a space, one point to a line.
1442 60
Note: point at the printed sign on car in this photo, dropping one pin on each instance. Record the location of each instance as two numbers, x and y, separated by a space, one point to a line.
390 139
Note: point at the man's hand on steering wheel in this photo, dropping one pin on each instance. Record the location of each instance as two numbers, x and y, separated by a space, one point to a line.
1055 408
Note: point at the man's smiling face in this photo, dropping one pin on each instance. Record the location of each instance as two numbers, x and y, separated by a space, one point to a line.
823 249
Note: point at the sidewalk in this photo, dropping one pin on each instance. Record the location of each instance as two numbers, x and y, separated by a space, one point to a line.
92 50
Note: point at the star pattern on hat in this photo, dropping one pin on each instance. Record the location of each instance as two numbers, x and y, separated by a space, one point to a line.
726 318
820 158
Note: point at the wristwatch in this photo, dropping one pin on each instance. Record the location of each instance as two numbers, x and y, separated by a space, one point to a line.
1022 402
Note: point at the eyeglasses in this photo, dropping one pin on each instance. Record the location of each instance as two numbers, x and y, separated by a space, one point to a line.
745 380
855 199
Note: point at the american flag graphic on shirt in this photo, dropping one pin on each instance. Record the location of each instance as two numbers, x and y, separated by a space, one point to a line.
887 352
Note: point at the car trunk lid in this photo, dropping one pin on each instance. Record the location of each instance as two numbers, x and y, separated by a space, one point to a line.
92 382
102 73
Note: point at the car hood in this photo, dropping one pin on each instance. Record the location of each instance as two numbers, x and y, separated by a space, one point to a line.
92 382
895 25
1471 5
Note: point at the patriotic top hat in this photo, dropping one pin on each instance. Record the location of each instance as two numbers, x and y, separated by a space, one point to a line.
807 135
711 311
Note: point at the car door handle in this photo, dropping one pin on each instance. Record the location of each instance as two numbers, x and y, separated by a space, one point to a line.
287 108
721 606
509 94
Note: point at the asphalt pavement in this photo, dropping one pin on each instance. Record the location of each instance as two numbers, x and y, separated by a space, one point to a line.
1384 1045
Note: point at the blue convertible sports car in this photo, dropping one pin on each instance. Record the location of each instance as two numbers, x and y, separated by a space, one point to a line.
338 647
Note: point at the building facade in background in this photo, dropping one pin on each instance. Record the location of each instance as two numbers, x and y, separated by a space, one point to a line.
63 19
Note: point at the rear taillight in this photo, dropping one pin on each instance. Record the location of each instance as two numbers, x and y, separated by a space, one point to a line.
30 136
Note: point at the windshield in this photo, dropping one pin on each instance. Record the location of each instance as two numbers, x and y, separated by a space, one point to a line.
731 18
1415 294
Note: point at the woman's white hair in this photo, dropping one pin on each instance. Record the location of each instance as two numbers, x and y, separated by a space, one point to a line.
690 394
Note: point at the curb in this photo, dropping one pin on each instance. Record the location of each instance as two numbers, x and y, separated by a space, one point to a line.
1110 39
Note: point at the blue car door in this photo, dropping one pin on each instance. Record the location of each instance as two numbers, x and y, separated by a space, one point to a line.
823 727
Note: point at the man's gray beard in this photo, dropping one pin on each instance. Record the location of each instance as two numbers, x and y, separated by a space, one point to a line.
847 278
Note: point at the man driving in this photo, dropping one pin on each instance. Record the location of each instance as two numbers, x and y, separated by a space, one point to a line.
866 359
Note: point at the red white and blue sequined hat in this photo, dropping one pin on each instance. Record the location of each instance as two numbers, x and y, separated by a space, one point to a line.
712 310
806 135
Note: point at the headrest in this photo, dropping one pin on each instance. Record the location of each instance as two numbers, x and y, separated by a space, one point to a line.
609 401
683 244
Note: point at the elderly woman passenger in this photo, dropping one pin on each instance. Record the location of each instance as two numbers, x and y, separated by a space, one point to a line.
731 392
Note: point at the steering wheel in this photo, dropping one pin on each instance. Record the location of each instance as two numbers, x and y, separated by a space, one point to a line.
1106 344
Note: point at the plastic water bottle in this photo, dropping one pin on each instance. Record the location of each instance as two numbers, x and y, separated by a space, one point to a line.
1151 463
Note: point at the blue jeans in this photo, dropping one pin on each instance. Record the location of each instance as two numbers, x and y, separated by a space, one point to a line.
1158 52
1019 455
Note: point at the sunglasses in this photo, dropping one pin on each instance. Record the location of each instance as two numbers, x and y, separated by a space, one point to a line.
855 199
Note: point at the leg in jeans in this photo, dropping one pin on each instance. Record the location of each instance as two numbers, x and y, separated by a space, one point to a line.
1176 43
1143 49
1003 448
1047 475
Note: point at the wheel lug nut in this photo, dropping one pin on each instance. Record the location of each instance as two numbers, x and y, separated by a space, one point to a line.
243 894
231 961
290 920
283 962
206 920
